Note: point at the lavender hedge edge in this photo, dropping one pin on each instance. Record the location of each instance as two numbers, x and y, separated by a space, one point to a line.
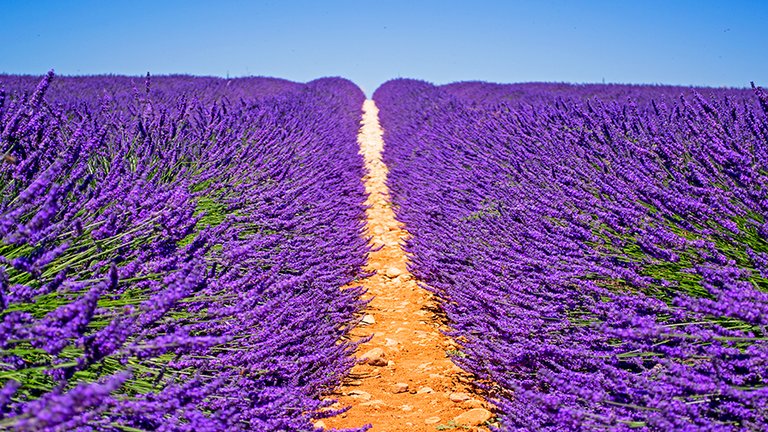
172 251
600 251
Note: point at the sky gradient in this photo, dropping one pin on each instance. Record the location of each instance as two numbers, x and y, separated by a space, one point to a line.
671 42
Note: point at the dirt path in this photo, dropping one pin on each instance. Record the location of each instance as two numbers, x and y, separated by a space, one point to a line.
409 384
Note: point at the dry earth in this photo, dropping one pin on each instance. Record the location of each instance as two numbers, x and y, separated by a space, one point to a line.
408 382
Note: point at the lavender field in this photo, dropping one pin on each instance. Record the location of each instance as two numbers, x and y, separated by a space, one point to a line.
184 253
171 251
600 251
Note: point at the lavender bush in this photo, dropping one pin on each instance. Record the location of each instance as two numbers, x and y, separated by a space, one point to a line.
601 252
172 251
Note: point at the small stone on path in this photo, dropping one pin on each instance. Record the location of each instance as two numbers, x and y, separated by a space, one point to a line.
473 403
375 357
390 342
473 417
368 319
431 420
376 404
405 277
459 397
400 388
360 394
393 272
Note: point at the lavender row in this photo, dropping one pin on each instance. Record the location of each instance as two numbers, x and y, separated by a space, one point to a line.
172 251
600 251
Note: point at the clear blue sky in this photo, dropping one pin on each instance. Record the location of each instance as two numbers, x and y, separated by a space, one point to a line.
672 42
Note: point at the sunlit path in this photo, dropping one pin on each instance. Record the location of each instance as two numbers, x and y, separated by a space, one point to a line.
409 384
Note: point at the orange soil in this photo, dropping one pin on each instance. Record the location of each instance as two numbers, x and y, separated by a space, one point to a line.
401 317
